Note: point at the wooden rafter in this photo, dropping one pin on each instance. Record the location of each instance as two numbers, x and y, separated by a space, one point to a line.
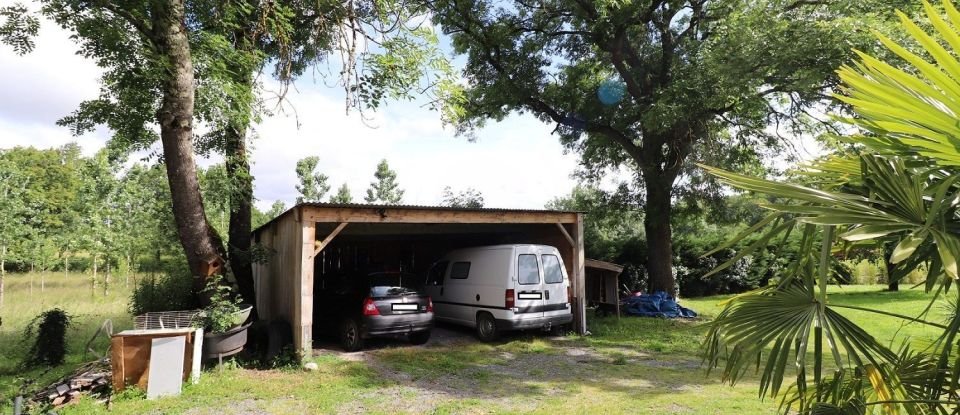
566 235
323 244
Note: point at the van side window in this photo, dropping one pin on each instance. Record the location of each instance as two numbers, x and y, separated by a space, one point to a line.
528 272
551 269
435 275
460 270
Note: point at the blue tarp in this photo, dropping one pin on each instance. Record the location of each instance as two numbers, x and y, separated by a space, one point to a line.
658 304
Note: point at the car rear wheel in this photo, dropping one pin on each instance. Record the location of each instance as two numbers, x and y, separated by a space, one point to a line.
350 338
420 337
487 327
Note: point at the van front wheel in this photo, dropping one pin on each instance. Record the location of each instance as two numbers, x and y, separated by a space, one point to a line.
487 327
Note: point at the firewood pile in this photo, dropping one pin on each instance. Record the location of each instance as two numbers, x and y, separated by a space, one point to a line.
91 378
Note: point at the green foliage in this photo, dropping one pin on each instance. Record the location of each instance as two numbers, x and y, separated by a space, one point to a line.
170 291
50 345
613 231
648 86
343 195
900 190
220 315
217 188
613 224
385 190
62 210
17 28
470 198
910 110
313 185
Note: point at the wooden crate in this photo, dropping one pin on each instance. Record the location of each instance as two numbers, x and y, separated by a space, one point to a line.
130 355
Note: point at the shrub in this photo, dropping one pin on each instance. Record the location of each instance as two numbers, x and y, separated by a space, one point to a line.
170 291
691 272
868 272
50 346
220 315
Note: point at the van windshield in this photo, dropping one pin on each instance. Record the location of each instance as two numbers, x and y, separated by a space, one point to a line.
391 284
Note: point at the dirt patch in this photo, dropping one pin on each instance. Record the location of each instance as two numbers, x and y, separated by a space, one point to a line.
513 380
253 407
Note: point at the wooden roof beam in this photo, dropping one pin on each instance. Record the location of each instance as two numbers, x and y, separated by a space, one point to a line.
402 215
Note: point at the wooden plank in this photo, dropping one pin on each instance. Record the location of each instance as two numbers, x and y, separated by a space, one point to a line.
282 273
608 266
566 235
579 287
116 363
326 241
616 290
402 215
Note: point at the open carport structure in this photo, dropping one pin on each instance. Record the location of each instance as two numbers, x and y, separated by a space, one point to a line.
313 238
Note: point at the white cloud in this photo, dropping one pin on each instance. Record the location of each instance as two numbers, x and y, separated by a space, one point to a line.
516 163
43 86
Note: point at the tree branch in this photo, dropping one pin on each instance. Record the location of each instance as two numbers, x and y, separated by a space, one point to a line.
491 56
801 3
142 27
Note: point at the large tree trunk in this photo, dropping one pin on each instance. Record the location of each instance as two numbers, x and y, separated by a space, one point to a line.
199 240
663 156
656 222
238 170
241 201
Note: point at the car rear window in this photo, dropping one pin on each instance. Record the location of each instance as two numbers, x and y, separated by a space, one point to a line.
551 269
528 272
386 285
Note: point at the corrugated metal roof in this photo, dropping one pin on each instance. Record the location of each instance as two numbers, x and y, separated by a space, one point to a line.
411 207
428 207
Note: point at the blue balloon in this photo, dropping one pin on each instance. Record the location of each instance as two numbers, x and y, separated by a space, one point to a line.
611 91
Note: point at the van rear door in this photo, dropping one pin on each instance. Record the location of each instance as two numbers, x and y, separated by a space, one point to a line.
555 285
529 287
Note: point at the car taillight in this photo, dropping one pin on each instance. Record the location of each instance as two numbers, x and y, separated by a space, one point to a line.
508 299
429 305
569 296
370 308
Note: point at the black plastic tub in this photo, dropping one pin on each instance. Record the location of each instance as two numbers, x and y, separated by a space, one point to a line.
228 343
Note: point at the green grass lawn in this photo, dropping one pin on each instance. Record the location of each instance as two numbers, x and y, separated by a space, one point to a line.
630 365
89 307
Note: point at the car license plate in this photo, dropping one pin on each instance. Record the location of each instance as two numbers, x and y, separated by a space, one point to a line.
405 307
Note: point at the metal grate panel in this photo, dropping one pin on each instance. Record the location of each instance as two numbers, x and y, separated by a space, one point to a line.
167 320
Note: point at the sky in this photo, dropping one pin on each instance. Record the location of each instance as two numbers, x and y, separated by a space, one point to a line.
516 163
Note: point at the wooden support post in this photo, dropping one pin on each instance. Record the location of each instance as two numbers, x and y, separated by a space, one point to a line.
326 241
303 295
579 286
616 293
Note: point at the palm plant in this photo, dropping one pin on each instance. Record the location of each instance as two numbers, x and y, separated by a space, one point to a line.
899 186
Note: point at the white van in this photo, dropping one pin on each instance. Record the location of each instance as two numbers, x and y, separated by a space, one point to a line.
501 287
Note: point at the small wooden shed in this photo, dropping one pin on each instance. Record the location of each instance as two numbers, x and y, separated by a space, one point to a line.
314 238
603 284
